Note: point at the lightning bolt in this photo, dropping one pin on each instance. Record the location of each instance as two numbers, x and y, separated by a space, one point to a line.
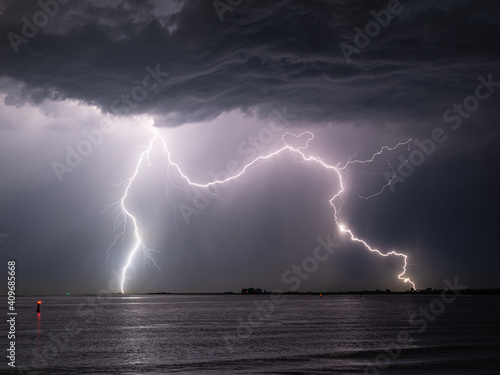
336 201
126 214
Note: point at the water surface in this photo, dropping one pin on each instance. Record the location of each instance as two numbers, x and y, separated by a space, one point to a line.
211 334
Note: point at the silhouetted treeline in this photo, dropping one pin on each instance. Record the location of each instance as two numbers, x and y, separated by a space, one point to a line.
255 291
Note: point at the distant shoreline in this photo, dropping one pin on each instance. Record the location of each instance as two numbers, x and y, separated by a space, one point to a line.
494 291
489 292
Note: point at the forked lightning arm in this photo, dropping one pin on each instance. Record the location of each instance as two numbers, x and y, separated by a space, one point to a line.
297 151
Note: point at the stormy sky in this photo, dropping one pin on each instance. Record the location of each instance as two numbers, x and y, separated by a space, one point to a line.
84 85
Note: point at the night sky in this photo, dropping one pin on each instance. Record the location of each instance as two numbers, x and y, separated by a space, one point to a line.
83 84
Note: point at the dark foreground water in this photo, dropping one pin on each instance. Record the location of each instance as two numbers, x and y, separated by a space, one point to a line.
163 334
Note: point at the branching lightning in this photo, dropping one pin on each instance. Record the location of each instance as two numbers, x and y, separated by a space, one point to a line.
126 214
298 152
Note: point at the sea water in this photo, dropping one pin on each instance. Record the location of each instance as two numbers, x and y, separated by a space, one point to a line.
246 334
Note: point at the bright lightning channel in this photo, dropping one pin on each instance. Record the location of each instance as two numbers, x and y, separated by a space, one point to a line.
296 151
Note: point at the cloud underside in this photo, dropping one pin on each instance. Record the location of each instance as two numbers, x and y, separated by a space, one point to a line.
260 56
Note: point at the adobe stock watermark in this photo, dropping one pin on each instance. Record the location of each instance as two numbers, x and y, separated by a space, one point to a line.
298 273
264 309
3 236
421 320
57 342
372 29
40 19
455 115
222 7
120 106
252 147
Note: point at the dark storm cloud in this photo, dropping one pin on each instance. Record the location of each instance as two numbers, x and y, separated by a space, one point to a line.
262 55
